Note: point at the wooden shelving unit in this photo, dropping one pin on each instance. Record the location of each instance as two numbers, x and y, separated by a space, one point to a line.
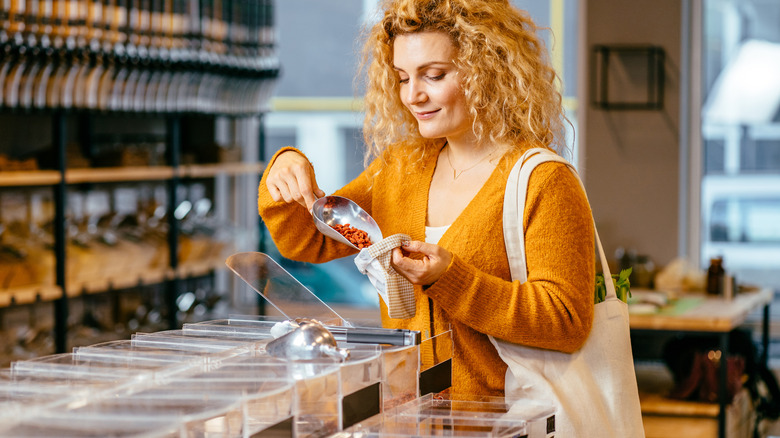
29 178
29 294
43 293
118 174
35 178
212 170
62 180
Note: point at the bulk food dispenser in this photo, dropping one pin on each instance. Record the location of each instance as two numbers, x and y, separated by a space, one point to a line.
219 378
457 415
307 372
404 375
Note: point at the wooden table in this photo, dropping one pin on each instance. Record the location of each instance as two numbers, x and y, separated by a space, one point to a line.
702 314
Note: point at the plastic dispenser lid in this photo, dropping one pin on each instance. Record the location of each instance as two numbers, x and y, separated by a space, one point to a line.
282 291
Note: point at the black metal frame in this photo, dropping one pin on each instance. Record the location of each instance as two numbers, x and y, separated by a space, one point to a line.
261 243
60 201
600 95
173 149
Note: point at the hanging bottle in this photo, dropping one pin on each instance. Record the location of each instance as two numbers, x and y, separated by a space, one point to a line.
13 79
16 19
119 26
27 84
46 18
94 23
5 19
72 22
31 22
49 66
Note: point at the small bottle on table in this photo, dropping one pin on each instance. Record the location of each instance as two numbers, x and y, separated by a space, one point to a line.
716 277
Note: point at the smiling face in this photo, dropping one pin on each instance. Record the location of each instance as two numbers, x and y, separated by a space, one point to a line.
429 84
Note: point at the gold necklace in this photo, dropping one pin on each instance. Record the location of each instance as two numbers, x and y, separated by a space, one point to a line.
455 173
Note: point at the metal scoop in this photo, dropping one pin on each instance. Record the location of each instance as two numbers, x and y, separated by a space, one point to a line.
311 340
337 210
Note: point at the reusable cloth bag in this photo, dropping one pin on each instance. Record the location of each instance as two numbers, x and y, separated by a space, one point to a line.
594 388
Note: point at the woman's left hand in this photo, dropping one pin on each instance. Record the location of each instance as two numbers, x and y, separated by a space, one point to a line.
424 270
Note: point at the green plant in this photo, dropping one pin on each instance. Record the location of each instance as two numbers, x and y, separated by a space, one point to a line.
622 286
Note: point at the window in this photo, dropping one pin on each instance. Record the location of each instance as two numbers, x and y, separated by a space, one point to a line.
740 138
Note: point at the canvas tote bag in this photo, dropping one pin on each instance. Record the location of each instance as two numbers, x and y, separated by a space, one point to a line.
594 388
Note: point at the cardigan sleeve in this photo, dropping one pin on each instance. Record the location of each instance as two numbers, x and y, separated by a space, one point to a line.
554 308
292 227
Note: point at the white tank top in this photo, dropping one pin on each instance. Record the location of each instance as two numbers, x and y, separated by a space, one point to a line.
433 234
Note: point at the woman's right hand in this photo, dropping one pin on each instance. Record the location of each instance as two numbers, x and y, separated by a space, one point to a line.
291 178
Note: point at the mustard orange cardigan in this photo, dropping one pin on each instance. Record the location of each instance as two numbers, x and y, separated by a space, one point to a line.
475 296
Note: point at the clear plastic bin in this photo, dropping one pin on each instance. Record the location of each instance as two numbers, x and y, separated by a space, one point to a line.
15 387
385 426
197 413
95 425
400 372
174 359
538 417
237 396
267 393
26 396
357 387
259 327
317 384
361 386
247 327
400 365
70 367
181 407
436 364
253 366
215 407
206 343
461 416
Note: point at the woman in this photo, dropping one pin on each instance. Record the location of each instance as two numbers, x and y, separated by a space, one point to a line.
457 90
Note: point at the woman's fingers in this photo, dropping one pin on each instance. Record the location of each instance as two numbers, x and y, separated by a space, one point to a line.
274 191
291 178
308 189
420 262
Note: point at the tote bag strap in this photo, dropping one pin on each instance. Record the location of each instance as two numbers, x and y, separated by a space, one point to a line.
514 205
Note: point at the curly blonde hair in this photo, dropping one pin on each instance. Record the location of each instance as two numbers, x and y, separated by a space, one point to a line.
509 85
